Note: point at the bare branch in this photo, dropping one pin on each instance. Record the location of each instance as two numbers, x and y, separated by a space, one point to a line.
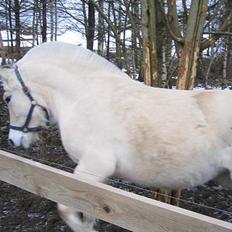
216 35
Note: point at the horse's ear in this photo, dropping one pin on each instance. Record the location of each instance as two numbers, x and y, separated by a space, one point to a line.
5 74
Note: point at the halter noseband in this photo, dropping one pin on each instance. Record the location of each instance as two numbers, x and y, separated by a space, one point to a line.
25 128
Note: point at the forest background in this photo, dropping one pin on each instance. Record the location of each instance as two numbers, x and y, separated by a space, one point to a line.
165 43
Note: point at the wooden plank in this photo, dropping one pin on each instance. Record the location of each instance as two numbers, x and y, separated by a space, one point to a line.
113 205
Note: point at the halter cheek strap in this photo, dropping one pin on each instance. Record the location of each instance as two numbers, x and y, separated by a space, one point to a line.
25 128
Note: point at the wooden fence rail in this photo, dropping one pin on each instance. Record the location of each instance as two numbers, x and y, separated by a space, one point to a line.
113 205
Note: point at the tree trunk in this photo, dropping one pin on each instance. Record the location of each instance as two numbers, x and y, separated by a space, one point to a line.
173 21
44 21
100 45
185 15
225 62
56 20
34 23
187 69
159 39
108 34
51 6
90 25
229 53
135 36
117 26
149 42
146 43
11 26
17 29
1 42
212 58
164 74
3 55
229 42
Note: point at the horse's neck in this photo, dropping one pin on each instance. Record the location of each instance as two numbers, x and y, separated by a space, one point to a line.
47 75
61 89
54 88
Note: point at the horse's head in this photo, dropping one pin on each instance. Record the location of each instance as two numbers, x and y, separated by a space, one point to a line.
28 113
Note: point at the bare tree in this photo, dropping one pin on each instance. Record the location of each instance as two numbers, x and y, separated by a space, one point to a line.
191 48
17 28
90 27
101 29
44 20
149 42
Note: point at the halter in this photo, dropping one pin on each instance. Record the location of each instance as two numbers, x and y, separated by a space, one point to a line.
25 128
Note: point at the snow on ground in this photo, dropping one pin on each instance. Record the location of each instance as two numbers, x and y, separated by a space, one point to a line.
68 37
73 38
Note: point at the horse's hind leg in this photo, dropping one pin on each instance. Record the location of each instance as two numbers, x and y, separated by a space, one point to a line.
78 221
175 197
168 196
225 177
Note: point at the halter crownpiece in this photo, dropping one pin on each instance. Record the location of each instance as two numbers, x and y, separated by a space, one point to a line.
25 128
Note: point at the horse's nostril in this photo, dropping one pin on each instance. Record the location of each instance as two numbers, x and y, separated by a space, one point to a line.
11 142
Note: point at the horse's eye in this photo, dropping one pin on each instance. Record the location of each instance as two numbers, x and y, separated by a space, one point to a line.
7 99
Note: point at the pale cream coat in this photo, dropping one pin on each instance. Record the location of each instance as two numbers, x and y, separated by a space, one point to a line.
112 125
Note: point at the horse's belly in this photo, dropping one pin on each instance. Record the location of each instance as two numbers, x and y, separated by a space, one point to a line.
168 174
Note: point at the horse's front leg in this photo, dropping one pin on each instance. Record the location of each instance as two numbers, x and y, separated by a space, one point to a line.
89 170
77 221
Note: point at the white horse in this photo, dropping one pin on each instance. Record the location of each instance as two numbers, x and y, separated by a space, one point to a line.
113 125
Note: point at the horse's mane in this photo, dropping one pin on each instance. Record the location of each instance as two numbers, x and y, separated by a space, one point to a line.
71 55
